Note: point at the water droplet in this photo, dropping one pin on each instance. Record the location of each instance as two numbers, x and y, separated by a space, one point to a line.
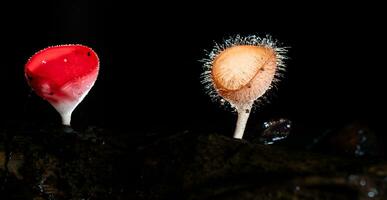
372 193
363 182
222 102
275 130
44 62
65 60
359 151
288 126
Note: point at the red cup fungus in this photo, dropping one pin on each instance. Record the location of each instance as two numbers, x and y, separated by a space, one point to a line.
63 75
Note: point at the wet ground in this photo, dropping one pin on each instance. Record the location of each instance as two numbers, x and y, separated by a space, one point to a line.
92 163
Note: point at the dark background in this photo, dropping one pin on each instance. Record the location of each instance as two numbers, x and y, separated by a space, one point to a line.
150 74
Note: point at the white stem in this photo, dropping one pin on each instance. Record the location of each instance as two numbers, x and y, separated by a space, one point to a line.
243 116
66 118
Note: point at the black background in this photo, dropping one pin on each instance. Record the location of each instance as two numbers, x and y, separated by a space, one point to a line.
150 74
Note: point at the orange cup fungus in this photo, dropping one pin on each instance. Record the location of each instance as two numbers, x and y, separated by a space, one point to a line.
241 71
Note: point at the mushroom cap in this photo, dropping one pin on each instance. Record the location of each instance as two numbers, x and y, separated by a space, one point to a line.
243 73
51 71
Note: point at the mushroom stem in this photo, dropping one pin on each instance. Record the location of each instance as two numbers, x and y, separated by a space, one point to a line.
243 115
66 118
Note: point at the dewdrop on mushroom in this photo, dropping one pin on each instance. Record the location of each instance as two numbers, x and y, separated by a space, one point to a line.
240 71
63 75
